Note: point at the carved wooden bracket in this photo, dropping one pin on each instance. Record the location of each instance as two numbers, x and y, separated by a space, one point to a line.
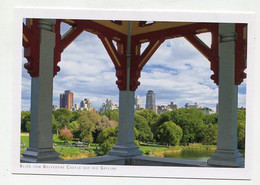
31 43
241 53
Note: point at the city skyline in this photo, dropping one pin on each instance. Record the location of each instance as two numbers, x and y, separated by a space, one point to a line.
177 72
87 104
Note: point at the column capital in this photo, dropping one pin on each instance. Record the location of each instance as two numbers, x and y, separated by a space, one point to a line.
227 37
47 24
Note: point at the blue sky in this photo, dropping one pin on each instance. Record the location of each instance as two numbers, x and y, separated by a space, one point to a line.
177 72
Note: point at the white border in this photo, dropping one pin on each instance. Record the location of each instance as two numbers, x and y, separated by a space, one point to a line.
132 171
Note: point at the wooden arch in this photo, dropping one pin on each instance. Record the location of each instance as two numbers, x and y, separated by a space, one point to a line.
115 31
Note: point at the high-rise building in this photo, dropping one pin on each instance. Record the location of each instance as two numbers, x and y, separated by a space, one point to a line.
173 106
108 105
76 106
66 99
138 102
150 101
86 104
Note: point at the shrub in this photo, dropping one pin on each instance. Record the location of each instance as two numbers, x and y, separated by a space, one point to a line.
66 135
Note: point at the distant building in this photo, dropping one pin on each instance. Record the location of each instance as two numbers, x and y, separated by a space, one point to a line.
173 106
86 104
207 111
66 99
161 109
55 107
108 105
196 106
150 101
138 103
76 106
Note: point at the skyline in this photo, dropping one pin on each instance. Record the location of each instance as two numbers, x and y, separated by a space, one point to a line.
177 72
143 103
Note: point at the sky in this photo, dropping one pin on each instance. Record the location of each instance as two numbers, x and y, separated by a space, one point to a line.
177 73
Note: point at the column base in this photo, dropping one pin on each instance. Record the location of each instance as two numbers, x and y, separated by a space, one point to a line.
125 151
41 156
226 158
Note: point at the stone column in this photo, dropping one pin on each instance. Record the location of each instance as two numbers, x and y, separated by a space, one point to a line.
125 145
227 153
125 141
41 137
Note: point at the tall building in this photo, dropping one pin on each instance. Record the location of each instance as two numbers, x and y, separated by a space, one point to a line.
196 106
164 108
76 106
108 105
86 104
173 106
66 99
138 102
150 101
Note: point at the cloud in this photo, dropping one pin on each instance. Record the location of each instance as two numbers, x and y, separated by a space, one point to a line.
176 72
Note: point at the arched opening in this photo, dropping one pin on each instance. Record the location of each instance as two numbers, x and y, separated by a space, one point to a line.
129 61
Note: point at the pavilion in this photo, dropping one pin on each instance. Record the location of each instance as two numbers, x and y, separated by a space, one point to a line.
44 44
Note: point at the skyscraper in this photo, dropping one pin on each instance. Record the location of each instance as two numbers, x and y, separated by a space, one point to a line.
86 104
150 101
138 102
66 99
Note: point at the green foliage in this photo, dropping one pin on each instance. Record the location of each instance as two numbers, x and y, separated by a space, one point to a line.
75 116
241 115
241 129
62 117
74 126
25 121
87 123
149 115
190 120
210 118
112 114
169 133
106 139
144 133
209 133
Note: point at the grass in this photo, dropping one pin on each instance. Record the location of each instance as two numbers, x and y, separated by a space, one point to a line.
67 151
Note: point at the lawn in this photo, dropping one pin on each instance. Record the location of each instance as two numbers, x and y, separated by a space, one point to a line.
69 151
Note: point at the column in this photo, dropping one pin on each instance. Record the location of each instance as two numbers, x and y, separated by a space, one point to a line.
41 137
126 137
125 145
227 153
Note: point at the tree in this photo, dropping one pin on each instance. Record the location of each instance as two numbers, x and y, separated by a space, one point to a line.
149 115
144 131
169 133
25 121
164 117
74 126
87 124
62 117
104 123
106 139
241 127
112 114
241 134
209 133
210 118
75 116
190 120
66 135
